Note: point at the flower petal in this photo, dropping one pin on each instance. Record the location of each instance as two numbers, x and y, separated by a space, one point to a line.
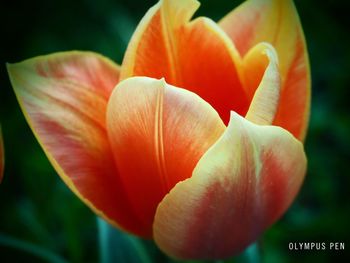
158 133
240 186
196 55
263 107
277 22
64 99
2 157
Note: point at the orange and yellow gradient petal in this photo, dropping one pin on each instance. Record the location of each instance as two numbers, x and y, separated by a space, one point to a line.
64 98
195 55
240 186
277 22
158 133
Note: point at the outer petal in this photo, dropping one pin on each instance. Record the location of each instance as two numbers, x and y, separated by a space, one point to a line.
240 186
158 133
196 55
2 156
277 22
64 99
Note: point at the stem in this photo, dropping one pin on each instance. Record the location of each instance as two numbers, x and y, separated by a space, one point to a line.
116 246
103 241
251 254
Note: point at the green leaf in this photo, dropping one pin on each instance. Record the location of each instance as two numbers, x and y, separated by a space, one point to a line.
30 248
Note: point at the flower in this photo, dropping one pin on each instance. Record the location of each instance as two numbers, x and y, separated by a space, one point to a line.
203 164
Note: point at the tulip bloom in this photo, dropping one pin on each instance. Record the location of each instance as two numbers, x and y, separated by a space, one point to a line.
196 140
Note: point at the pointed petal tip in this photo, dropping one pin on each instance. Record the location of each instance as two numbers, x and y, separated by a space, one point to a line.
270 52
262 59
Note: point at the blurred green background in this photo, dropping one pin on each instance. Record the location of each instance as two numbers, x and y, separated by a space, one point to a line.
42 221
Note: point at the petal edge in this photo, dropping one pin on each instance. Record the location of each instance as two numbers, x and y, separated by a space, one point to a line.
241 185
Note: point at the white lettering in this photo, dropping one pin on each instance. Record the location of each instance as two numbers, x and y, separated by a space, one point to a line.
316 246
336 245
290 246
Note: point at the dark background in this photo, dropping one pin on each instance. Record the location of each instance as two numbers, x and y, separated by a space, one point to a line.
40 218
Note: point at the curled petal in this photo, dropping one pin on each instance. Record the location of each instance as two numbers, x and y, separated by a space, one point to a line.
64 99
263 107
2 157
240 186
196 55
277 22
158 133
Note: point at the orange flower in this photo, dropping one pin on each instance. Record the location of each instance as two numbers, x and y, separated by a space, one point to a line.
203 164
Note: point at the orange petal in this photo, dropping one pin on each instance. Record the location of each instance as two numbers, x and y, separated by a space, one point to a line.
263 107
158 133
2 156
277 22
64 99
240 186
196 55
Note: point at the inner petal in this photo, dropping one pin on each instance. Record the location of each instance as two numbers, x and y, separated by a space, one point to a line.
264 103
196 55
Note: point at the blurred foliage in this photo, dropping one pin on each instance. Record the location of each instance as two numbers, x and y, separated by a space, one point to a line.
42 221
